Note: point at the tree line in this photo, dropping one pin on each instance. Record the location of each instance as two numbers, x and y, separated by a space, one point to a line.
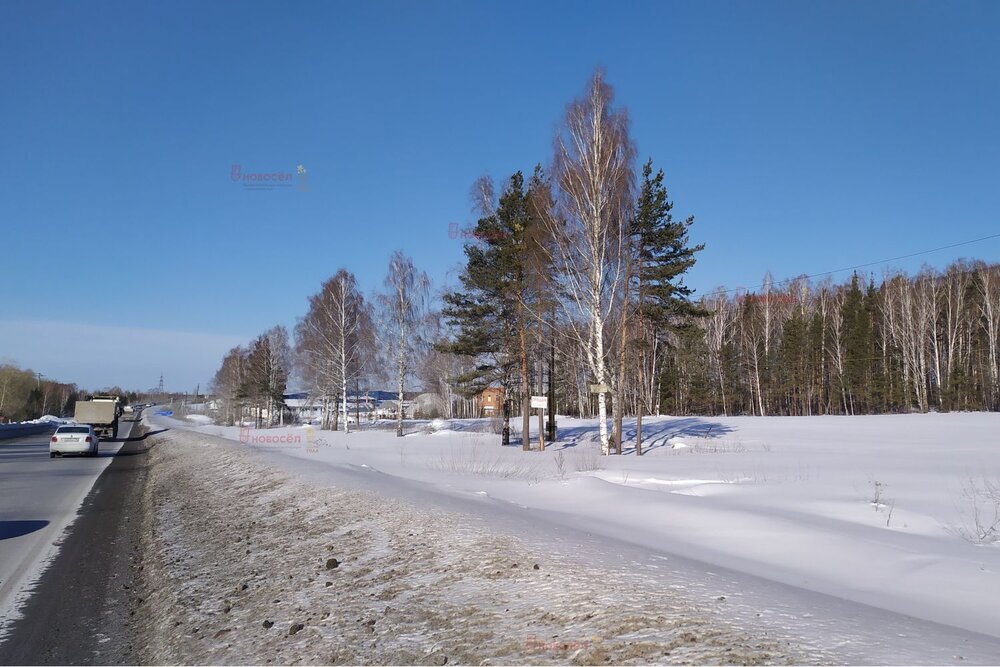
343 344
906 343
27 395
573 287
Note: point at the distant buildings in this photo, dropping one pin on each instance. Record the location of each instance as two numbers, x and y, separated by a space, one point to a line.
366 406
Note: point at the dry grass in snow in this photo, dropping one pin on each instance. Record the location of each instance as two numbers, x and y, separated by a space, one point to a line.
247 565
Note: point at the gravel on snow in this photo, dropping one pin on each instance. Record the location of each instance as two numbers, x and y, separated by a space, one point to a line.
244 564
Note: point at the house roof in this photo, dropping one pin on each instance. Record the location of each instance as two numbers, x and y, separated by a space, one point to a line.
373 395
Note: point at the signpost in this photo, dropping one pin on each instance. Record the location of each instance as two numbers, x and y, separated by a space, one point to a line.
601 389
540 402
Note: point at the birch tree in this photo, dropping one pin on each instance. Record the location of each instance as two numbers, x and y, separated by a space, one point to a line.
228 383
438 366
593 182
956 286
403 305
718 332
989 310
335 343
267 373
279 367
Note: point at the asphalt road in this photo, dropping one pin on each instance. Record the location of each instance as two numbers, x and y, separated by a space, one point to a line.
76 611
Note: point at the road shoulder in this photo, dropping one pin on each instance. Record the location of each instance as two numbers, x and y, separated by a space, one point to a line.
247 565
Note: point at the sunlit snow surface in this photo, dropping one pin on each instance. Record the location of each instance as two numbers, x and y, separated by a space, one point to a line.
845 510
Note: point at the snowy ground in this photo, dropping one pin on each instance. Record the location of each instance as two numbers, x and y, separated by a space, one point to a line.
872 510
50 419
245 564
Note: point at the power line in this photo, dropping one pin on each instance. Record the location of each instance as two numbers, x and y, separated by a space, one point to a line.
858 266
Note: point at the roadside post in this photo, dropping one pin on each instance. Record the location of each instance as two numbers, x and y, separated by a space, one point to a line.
540 402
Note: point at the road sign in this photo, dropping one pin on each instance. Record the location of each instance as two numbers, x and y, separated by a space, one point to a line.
540 402
599 388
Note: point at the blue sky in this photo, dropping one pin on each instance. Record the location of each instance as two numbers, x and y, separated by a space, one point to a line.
803 136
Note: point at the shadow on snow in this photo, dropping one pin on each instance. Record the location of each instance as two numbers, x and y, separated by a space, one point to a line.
655 434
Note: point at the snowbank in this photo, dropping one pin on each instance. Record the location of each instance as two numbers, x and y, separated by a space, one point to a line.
49 419
199 419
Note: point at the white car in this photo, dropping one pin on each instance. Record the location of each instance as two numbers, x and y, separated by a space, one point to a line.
74 439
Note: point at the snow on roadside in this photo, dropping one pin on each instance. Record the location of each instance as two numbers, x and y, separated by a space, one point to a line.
199 419
48 419
868 509
246 564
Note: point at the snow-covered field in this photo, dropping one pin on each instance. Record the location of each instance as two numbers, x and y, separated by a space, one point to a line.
877 510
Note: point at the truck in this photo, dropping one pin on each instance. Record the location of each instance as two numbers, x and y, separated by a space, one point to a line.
101 412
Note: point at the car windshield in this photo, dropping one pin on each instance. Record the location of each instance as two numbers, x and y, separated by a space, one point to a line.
73 429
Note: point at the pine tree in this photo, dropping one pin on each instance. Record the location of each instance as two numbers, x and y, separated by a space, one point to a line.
492 314
817 375
877 382
792 356
858 348
663 302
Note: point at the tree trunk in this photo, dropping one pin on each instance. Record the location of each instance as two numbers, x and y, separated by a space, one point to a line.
343 401
399 409
638 430
525 387
601 377
616 417
619 403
